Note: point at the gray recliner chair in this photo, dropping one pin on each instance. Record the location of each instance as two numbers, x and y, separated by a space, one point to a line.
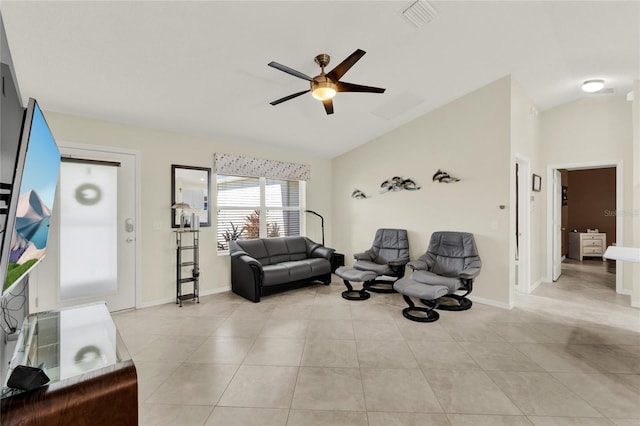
387 256
451 261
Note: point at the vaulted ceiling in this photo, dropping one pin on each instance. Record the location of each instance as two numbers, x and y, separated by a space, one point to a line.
200 68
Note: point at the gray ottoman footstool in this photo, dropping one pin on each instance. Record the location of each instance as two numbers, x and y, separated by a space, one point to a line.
409 288
347 274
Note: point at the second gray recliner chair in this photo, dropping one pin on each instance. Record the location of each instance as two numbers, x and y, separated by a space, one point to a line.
452 261
387 256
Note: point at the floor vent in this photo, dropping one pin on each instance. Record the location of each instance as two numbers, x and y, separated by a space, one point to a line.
419 13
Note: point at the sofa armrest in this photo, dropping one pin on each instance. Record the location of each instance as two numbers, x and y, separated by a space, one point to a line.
243 257
322 251
318 250
246 276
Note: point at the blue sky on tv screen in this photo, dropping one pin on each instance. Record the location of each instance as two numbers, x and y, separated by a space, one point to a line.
42 163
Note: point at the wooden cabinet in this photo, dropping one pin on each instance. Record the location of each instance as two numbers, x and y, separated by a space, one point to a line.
586 244
93 378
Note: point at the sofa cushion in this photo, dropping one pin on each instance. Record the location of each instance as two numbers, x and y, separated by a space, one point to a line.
448 266
318 265
298 270
297 248
277 250
294 271
275 274
256 249
426 277
365 265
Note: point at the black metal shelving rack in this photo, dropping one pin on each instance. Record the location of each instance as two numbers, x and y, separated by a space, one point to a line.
182 265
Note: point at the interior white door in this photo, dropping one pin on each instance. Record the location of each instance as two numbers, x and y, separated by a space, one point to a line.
557 224
94 229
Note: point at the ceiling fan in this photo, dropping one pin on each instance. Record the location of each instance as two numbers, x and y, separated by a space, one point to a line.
325 86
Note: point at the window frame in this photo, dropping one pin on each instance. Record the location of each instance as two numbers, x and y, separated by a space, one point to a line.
262 208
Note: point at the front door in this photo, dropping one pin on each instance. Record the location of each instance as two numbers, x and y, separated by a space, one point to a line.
94 230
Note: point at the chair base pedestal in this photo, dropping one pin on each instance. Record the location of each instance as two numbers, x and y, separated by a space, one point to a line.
427 294
347 274
429 314
355 295
380 286
461 303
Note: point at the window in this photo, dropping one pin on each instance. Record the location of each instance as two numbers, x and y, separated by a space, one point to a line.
251 207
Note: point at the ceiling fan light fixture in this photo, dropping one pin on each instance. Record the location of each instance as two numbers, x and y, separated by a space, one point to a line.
593 86
323 93
325 86
323 89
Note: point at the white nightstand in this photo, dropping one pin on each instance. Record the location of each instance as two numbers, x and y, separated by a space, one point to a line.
587 244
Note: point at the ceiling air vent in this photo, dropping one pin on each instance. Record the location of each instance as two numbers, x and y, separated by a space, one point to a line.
605 91
419 13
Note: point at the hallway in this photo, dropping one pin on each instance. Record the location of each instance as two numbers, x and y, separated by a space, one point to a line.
585 292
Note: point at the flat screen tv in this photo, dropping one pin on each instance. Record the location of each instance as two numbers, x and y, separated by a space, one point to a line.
24 240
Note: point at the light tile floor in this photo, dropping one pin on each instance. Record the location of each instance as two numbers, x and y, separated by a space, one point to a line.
568 354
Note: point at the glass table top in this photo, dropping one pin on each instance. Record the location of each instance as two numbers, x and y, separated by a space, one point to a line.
69 342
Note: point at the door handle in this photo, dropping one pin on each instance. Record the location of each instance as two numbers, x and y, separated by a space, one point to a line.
128 225
129 240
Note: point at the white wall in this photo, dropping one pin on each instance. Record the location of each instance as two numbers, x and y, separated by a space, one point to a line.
475 138
525 143
595 128
158 151
470 139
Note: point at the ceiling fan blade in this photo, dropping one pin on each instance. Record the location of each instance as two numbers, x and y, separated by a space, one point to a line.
288 70
328 106
286 98
350 87
344 66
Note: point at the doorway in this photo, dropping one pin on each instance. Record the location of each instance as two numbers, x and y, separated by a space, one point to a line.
559 198
95 228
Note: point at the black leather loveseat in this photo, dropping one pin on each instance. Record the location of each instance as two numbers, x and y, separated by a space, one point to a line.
269 262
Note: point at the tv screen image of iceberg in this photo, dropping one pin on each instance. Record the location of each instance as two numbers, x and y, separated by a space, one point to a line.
37 194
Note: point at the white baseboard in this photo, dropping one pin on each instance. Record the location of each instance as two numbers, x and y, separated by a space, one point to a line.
155 303
173 299
490 302
635 304
625 292
216 290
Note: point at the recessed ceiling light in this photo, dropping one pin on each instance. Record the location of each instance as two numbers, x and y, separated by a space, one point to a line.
592 86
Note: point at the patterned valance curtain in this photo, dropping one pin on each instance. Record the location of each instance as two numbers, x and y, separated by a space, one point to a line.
238 165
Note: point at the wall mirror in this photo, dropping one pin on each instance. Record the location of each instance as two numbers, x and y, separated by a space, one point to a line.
190 193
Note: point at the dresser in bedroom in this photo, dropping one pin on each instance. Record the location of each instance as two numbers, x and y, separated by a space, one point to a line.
587 244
